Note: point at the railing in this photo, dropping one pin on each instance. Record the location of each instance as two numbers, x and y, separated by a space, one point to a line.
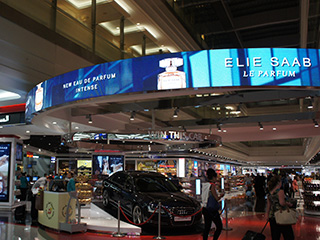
68 24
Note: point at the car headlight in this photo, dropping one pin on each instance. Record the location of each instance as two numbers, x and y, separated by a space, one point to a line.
152 206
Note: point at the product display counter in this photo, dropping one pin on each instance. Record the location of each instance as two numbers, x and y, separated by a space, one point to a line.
55 209
311 197
235 194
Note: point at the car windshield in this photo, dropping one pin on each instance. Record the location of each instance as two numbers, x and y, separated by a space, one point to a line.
154 184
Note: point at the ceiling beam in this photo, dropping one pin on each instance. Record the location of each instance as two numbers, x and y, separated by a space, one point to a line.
269 18
205 123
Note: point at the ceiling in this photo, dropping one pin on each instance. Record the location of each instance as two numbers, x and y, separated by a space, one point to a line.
289 135
250 24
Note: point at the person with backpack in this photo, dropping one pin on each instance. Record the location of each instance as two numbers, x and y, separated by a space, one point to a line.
211 205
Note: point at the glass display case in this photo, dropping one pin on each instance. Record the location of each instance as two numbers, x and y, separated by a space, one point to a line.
311 197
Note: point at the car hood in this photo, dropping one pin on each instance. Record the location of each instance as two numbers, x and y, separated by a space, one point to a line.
171 199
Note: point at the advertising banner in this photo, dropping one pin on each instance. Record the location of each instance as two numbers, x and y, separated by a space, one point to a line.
263 67
5 152
107 164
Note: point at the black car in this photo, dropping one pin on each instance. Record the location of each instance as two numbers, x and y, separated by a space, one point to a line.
140 192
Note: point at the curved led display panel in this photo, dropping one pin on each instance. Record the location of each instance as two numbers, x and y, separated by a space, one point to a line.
256 67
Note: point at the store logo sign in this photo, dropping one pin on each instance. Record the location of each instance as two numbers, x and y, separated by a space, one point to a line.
64 211
5 119
49 210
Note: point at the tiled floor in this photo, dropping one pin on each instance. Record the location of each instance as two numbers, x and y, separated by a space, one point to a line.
242 217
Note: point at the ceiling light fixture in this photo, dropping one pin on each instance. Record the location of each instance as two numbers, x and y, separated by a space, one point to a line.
219 127
6 95
238 111
132 116
316 125
89 118
310 106
175 113
274 129
261 126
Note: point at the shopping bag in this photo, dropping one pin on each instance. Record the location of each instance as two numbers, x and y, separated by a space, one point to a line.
39 200
286 217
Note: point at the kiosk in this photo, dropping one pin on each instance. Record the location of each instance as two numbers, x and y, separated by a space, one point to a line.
59 210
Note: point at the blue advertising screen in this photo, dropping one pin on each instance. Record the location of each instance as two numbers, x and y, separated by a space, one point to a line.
5 153
19 152
282 67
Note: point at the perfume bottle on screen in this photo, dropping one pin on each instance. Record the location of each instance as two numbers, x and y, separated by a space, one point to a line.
39 97
171 78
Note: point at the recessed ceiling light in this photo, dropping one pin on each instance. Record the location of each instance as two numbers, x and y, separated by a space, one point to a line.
54 123
80 4
76 127
138 24
274 129
27 131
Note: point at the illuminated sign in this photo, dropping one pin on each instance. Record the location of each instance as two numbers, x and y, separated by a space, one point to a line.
4 119
5 155
12 118
29 155
223 68
155 135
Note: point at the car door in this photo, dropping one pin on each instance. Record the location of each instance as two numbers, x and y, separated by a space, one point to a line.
115 188
128 194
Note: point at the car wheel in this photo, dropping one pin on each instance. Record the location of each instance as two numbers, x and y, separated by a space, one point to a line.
105 197
137 215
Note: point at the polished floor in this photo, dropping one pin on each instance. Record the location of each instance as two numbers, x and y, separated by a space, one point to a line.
242 217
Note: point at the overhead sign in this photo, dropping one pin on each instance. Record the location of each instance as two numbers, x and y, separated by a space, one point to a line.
282 67
12 118
154 135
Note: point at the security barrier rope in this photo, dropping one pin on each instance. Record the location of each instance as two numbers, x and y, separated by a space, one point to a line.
176 215
139 224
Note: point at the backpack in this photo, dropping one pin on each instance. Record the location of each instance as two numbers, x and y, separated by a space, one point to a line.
208 200
205 193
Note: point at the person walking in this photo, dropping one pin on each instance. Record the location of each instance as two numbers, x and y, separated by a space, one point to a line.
23 186
210 213
276 201
295 187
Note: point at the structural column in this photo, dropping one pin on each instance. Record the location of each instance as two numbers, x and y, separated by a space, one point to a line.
93 24
53 14
122 37
143 45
